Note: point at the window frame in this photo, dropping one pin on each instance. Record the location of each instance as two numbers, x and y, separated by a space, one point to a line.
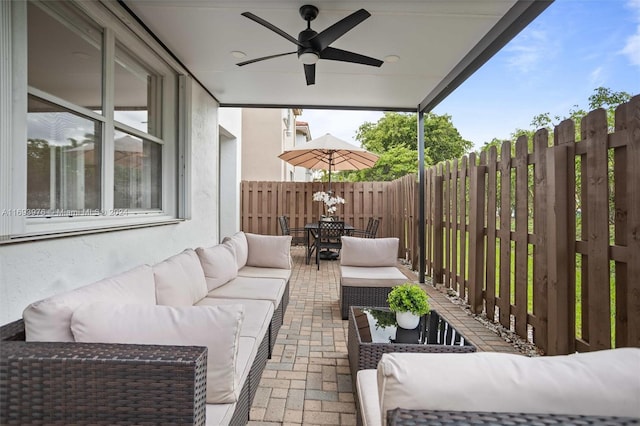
118 28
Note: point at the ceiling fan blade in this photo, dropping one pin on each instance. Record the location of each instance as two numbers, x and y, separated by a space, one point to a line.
272 27
334 54
337 30
264 58
310 74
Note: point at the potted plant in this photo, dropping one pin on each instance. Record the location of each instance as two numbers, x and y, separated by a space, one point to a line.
409 302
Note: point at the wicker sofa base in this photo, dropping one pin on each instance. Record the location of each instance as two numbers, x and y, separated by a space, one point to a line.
278 319
404 417
362 296
62 383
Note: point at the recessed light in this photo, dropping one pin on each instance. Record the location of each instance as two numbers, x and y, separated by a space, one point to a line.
392 58
238 54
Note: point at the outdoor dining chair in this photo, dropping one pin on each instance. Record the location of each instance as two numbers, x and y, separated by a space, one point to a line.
369 232
329 237
298 235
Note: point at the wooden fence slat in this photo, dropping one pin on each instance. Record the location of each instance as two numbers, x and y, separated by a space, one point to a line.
438 230
449 211
558 334
521 248
598 230
633 220
540 273
505 242
492 212
460 259
476 236
565 135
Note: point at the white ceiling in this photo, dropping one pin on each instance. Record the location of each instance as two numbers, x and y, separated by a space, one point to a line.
439 42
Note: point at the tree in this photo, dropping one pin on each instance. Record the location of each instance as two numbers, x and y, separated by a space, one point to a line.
394 138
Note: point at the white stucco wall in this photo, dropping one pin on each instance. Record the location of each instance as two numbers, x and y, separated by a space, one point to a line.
34 270
230 130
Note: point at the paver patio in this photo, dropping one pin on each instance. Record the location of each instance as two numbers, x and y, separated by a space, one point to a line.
307 381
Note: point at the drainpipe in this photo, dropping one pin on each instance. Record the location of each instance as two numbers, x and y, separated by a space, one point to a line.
421 198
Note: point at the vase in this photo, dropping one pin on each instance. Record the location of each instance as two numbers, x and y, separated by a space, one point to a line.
407 320
326 218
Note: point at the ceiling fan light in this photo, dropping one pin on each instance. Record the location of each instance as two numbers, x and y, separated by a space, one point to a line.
308 58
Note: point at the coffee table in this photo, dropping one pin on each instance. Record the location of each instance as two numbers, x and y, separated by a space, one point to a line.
373 331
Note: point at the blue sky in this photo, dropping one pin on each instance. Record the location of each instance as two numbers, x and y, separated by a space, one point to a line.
555 63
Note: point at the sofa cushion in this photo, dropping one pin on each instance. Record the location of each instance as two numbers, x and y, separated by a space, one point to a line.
218 263
239 243
593 383
256 272
369 251
385 276
49 320
257 314
270 289
366 385
216 327
180 280
269 251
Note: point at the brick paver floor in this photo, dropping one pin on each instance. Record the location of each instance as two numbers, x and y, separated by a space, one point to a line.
307 381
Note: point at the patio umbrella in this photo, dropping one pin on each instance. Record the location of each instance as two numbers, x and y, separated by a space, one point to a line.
329 153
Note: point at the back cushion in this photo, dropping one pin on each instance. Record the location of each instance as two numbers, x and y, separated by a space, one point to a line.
180 280
269 251
593 383
218 263
49 320
369 251
239 243
216 327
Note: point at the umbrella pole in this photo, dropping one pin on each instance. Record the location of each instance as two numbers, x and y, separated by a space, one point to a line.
330 163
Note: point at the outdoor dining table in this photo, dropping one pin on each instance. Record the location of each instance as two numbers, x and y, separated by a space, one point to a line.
312 231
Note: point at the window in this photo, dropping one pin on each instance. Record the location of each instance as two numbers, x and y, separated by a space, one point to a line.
101 122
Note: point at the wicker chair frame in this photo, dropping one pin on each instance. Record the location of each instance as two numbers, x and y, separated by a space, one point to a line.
404 417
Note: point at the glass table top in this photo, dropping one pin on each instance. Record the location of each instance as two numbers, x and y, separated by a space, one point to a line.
378 325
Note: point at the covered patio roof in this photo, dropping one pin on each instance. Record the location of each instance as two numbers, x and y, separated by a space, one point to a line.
437 44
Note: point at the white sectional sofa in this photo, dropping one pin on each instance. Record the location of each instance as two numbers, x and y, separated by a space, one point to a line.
229 299
600 383
368 271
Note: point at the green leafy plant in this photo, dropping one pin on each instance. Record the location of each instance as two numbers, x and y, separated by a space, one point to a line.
408 297
383 319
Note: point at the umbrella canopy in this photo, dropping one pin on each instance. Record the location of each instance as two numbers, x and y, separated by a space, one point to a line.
329 153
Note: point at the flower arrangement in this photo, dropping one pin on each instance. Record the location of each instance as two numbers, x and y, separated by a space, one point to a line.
330 201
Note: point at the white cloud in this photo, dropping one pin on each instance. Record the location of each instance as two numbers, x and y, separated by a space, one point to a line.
528 50
632 46
596 77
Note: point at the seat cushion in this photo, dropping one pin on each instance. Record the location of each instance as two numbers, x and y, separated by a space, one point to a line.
369 251
180 280
270 289
257 314
218 263
367 388
257 272
239 243
49 320
385 276
594 383
269 251
216 327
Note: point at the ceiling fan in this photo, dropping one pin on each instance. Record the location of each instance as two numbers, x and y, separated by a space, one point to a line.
313 46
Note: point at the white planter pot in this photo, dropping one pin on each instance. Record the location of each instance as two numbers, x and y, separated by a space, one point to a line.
407 320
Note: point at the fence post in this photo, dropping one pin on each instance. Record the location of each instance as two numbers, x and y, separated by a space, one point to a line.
437 230
540 273
477 189
558 314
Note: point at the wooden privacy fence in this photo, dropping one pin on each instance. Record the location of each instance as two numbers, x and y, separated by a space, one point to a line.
546 241
391 202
